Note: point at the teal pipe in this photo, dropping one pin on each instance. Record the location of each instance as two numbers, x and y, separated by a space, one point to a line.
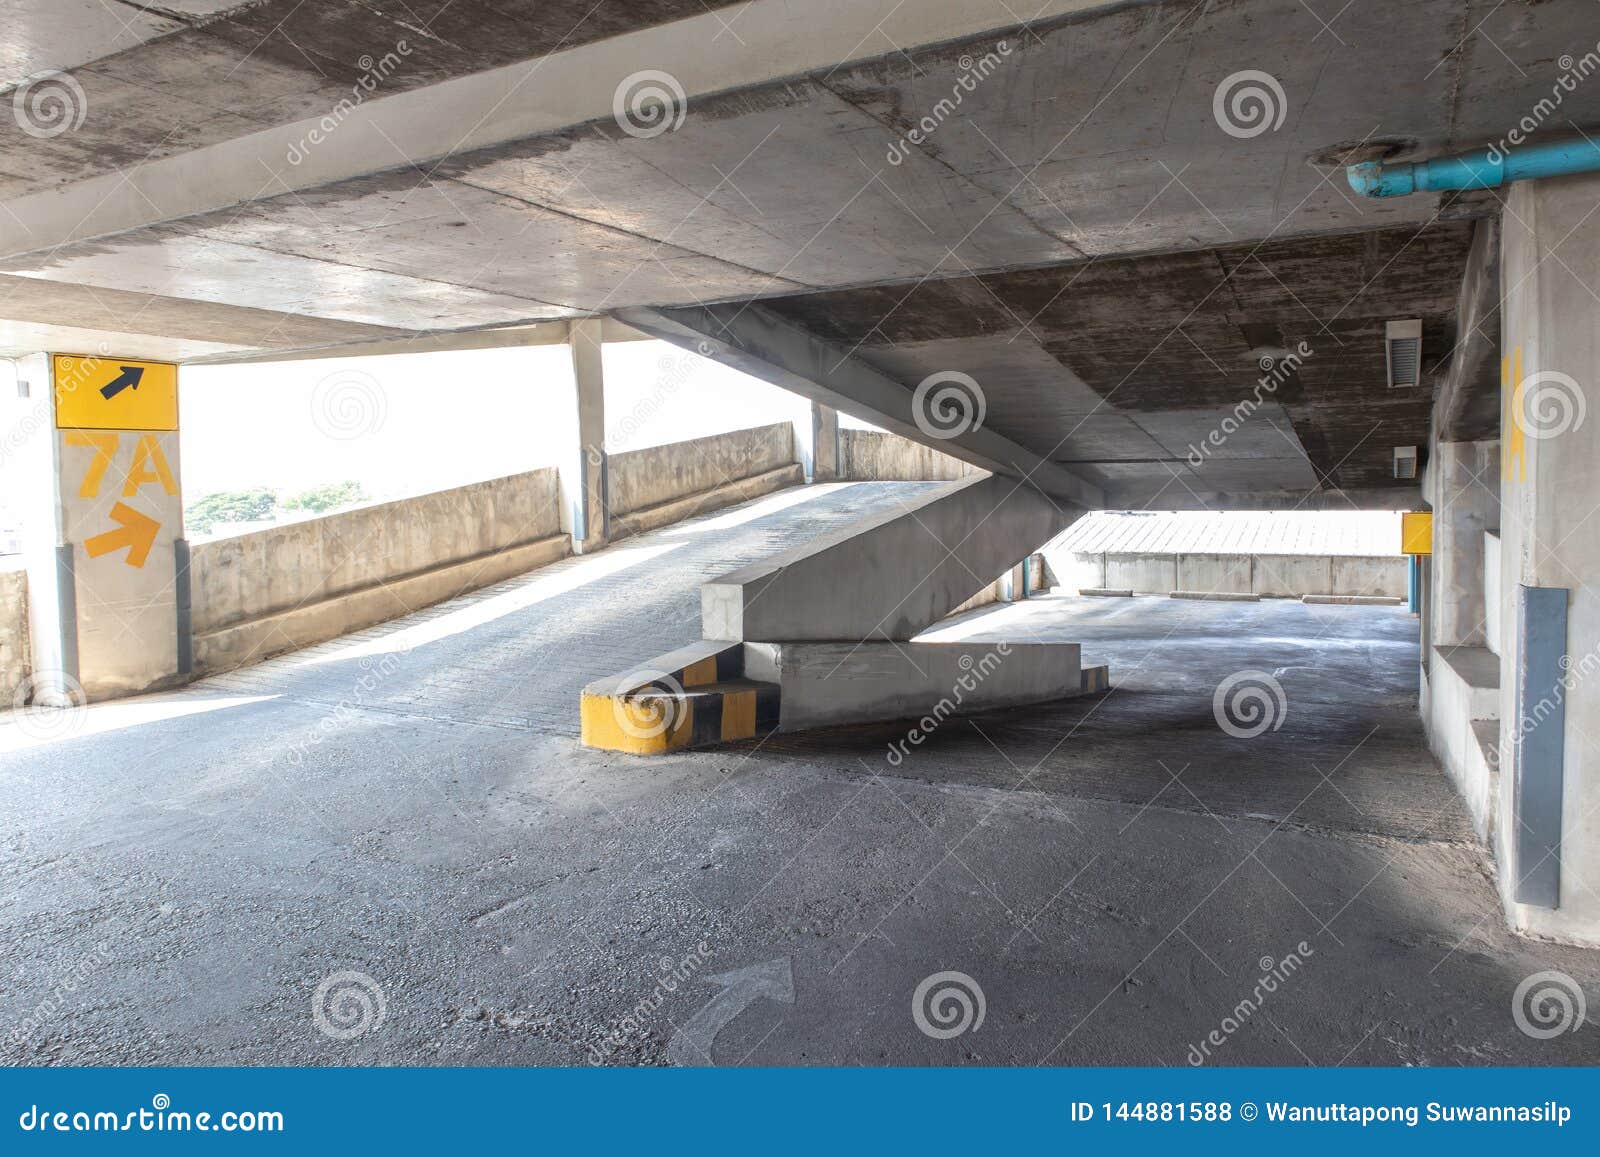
1487 169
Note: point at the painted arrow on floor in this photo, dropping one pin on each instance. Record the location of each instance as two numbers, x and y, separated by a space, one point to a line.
691 1044
128 378
135 531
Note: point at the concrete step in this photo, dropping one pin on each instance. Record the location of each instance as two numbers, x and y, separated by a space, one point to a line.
705 694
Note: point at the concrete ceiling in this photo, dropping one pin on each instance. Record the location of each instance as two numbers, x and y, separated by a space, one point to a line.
1078 229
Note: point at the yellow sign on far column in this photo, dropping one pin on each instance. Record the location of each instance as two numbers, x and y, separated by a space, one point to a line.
1416 532
115 394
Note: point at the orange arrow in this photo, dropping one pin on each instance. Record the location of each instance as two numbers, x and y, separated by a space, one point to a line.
137 533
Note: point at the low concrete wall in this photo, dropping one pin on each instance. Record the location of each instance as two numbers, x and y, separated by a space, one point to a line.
657 475
878 456
660 485
1272 576
1143 572
258 594
14 654
1460 712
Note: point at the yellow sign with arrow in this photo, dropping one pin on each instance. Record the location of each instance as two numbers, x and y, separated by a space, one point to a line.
95 393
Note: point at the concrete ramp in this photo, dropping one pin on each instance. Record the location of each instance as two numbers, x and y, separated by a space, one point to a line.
891 576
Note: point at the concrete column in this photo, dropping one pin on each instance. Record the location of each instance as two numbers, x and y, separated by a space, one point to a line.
1464 489
102 527
1550 492
824 443
584 476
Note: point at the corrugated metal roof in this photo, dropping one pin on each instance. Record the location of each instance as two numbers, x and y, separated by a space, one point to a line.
1343 532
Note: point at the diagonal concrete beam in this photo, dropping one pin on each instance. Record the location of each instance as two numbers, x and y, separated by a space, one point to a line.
755 341
888 576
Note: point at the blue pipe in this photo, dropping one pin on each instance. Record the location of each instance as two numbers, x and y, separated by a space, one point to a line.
1487 169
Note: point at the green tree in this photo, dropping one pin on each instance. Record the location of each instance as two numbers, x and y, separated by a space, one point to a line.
257 505
330 496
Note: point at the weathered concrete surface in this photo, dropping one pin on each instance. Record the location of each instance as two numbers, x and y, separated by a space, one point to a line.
14 653
1466 404
879 456
1463 488
661 474
411 803
826 684
1550 482
257 594
891 576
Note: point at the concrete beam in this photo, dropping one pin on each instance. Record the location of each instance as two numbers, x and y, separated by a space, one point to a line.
1466 407
891 576
1138 496
757 342
553 91
496 337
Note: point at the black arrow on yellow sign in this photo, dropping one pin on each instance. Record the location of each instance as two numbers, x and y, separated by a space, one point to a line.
129 376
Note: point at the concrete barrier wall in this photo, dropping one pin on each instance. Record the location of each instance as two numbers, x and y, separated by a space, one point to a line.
293 585
878 456
14 656
659 475
1277 576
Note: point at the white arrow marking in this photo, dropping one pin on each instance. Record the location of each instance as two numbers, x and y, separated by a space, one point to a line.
691 1044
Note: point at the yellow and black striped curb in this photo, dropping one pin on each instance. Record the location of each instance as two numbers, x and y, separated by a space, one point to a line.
692 697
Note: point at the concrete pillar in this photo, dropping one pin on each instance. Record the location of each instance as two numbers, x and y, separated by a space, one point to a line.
586 512
824 465
1550 489
102 527
1464 490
